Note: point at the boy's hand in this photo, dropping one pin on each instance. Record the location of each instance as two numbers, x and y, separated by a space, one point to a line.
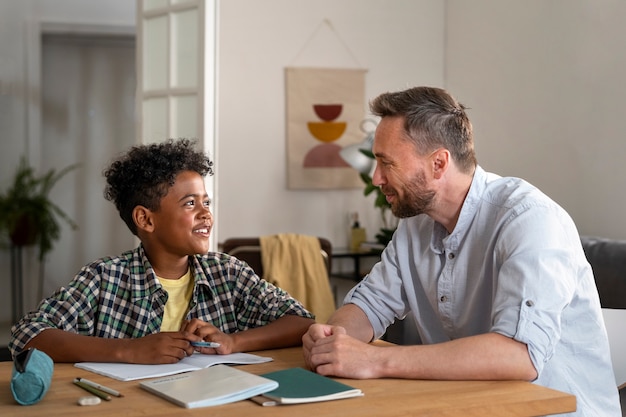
164 347
209 333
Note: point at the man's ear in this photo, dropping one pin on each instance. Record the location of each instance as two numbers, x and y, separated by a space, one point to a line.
143 218
441 162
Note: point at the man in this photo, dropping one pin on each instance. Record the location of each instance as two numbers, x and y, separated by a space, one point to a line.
491 270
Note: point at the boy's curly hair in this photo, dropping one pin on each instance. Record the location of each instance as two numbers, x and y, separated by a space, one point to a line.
143 175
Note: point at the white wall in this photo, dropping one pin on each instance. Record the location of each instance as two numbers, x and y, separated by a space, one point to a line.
13 93
88 12
545 81
400 43
545 84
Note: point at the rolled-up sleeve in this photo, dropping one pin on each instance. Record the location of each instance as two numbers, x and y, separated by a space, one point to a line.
540 331
536 283
381 294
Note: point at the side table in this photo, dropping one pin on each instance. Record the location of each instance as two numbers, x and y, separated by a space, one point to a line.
356 256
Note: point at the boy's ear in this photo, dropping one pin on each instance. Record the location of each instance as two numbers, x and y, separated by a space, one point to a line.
143 218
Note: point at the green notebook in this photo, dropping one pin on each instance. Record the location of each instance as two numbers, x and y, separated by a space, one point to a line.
297 386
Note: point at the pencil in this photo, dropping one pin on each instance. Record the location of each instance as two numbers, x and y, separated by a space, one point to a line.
102 388
93 390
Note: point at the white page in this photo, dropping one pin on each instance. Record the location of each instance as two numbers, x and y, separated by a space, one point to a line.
130 372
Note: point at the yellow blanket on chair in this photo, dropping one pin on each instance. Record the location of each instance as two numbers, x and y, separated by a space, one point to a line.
294 263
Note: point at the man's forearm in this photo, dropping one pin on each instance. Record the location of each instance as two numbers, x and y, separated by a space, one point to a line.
488 356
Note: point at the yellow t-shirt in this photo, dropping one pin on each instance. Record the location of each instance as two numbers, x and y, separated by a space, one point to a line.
179 292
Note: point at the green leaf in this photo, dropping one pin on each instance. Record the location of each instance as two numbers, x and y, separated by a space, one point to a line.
367 153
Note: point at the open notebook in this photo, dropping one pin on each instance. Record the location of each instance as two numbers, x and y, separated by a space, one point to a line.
129 372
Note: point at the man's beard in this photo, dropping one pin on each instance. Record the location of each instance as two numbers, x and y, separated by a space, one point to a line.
417 198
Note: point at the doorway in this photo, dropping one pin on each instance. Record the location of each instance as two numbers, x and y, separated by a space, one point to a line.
88 117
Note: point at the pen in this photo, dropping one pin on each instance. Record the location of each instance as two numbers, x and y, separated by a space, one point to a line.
100 387
205 344
93 390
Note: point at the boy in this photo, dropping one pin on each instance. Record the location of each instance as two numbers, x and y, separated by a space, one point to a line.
148 304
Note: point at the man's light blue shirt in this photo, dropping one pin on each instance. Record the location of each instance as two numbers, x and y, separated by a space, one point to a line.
513 265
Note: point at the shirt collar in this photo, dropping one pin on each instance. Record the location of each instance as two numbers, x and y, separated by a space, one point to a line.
148 284
440 238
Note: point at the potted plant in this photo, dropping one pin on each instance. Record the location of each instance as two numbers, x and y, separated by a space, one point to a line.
27 215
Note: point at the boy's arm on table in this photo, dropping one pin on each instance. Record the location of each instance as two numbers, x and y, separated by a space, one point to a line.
284 332
63 346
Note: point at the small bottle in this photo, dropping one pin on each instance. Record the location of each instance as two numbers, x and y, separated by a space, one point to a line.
357 234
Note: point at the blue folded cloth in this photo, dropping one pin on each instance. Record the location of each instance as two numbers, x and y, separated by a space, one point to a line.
32 375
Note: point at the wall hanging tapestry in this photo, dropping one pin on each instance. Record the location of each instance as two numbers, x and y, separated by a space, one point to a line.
325 108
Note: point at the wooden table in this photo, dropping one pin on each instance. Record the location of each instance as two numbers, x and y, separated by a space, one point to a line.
383 397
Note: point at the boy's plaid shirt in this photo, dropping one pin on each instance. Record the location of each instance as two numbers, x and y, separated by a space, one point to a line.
121 297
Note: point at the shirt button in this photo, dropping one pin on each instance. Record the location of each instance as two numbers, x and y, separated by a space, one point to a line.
450 256
443 299
530 303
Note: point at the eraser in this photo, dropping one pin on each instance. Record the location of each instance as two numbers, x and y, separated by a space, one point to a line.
89 400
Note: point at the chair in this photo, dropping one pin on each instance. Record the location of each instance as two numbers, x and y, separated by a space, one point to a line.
5 355
607 258
248 249
291 267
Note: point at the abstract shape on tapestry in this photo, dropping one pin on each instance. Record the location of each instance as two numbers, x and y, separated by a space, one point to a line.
327 131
